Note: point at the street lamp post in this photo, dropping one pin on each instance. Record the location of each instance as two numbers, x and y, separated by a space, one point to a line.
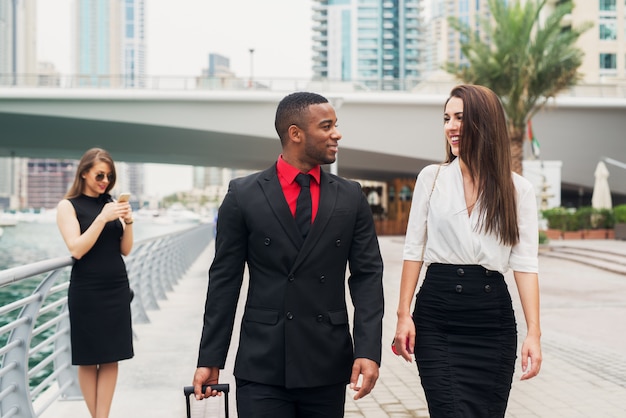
251 67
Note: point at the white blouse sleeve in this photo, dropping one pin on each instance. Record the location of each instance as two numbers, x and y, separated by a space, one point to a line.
416 228
524 255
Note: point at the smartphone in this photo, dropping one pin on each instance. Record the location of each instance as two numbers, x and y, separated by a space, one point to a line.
124 197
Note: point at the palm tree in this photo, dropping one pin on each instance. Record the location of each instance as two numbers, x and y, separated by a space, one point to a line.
523 59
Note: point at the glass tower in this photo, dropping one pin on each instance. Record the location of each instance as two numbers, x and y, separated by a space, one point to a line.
371 43
109 46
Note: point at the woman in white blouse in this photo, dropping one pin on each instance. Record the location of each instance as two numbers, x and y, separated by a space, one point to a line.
471 220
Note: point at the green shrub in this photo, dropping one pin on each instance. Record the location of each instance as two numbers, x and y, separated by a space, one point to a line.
556 218
603 219
543 237
619 212
584 217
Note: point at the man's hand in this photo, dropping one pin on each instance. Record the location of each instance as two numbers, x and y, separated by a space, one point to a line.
369 370
206 376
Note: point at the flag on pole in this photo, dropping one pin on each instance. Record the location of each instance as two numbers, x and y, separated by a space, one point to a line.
534 144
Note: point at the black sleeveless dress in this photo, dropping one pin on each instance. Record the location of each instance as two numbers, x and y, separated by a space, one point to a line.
99 294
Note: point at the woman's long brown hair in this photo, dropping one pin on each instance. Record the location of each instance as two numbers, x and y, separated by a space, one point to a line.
87 161
486 151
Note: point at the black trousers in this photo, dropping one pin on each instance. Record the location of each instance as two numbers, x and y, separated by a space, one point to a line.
466 341
256 400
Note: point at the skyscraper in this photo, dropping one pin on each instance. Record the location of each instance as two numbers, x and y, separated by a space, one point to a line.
604 45
134 45
109 46
18 43
377 44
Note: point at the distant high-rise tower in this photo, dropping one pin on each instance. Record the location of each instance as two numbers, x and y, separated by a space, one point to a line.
18 42
604 45
375 43
109 46
134 45
46 182
219 65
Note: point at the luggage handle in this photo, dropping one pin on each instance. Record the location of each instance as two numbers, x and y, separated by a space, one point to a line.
223 387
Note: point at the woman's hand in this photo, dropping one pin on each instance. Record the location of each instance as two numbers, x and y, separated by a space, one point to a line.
531 357
116 210
404 341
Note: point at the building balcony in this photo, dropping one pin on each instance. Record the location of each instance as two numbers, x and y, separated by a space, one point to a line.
320 59
320 17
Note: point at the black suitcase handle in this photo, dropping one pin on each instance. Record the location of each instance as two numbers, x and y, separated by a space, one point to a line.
222 387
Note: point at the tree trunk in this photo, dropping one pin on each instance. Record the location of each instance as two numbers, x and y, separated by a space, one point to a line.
516 136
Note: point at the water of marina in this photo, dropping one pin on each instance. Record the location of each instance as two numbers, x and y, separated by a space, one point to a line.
28 242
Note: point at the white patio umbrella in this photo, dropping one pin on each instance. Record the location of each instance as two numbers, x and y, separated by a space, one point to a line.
601 197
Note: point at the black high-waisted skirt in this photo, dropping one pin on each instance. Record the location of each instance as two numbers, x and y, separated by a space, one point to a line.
466 341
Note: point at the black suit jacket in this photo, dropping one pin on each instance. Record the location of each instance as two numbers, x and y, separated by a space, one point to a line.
295 330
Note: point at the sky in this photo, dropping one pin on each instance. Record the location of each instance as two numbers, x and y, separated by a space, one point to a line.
180 35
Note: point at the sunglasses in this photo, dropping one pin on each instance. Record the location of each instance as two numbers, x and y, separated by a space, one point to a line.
100 177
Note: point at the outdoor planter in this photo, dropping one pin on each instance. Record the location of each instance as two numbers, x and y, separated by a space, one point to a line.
553 233
595 233
620 231
572 234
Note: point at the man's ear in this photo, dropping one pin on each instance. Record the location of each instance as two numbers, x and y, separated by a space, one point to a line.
295 134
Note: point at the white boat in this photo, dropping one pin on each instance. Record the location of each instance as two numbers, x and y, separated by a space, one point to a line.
8 219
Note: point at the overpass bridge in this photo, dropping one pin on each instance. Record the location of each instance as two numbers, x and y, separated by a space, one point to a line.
385 134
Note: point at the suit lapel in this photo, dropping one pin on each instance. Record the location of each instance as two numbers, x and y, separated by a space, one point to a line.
269 183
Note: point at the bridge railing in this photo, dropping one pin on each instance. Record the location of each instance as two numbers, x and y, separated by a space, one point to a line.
34 329
609 87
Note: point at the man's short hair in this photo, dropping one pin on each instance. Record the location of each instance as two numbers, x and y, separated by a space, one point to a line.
291 110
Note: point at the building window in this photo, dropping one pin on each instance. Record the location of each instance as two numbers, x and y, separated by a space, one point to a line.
607 5
608 62
608 31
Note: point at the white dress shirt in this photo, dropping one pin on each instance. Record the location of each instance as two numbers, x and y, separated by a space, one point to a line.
453 236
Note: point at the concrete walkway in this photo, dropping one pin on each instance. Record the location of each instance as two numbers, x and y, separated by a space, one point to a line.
584 341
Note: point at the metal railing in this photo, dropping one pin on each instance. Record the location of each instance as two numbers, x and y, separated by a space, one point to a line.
34 332
604 87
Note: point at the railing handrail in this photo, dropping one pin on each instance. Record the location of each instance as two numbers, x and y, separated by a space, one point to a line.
603 87
15 274
153 267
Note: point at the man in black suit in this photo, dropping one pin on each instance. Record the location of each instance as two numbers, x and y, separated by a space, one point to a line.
296 353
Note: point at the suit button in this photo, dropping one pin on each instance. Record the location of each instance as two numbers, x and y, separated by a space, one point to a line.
488 272
289 316
459 288
320 318
322 279
267 241
338 243
291 278
460 272
487 288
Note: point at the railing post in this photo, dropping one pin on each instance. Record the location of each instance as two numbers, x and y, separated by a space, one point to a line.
66 376
15 381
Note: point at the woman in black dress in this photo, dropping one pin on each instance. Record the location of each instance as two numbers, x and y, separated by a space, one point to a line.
471 220
98 232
